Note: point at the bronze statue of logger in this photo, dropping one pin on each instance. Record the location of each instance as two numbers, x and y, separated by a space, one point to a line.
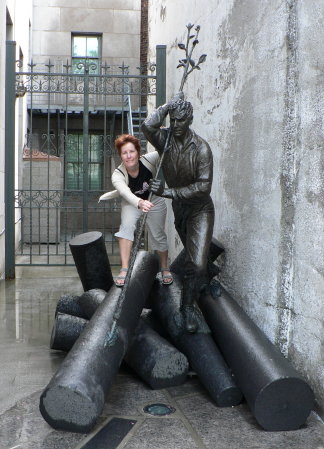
188 170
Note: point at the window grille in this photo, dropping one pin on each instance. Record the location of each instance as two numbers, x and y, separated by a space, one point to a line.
74 162
86 49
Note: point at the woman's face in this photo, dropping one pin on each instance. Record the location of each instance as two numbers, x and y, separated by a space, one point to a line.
129 156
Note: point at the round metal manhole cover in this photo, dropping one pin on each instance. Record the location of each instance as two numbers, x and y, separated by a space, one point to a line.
159 409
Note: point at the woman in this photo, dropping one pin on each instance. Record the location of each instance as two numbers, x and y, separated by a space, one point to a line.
131 181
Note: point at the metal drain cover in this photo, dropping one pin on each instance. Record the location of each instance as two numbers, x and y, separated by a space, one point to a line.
159 409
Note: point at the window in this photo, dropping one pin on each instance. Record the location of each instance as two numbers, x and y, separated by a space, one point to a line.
86 49
74 162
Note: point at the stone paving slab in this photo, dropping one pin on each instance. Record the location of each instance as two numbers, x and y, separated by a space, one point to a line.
197 423
27 364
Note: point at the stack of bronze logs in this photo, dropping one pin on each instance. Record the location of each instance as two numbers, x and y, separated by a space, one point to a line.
230 355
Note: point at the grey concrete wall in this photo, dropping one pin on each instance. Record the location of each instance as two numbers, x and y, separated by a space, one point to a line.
258 102
2 132
118 21
20 12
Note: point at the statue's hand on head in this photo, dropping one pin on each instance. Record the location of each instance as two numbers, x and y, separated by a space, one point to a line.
177 97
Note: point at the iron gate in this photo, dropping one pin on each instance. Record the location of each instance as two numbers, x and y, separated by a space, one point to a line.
68 154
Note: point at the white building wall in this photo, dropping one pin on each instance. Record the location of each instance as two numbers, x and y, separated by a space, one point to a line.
2 131
20 12
258 102
118 21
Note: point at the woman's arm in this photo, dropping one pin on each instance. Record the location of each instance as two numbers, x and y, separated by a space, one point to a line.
119 182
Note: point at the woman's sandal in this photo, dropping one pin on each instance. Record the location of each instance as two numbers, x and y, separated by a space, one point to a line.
167 279
121 278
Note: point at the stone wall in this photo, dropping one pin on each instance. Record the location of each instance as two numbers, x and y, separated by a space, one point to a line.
118 21
144 32
15 18
2 132
257 101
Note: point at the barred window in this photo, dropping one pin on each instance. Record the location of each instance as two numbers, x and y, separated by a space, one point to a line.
74 162
86 49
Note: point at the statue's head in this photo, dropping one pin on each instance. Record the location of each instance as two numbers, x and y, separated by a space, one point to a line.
181 116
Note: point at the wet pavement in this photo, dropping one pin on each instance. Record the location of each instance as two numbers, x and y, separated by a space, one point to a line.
27 307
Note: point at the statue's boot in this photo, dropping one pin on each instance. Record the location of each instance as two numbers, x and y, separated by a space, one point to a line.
189 319
187 306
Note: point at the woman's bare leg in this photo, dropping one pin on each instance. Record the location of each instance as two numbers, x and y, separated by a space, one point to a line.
125 247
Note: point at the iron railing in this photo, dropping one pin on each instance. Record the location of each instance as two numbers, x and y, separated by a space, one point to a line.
60 103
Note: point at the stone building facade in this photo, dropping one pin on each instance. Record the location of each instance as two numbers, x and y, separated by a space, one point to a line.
116 22
15 25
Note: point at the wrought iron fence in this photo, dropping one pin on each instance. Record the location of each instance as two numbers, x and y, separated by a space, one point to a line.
68 156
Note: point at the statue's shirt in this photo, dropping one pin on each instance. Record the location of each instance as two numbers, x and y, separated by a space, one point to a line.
188 170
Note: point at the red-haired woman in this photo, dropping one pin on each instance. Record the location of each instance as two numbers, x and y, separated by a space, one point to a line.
131 181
